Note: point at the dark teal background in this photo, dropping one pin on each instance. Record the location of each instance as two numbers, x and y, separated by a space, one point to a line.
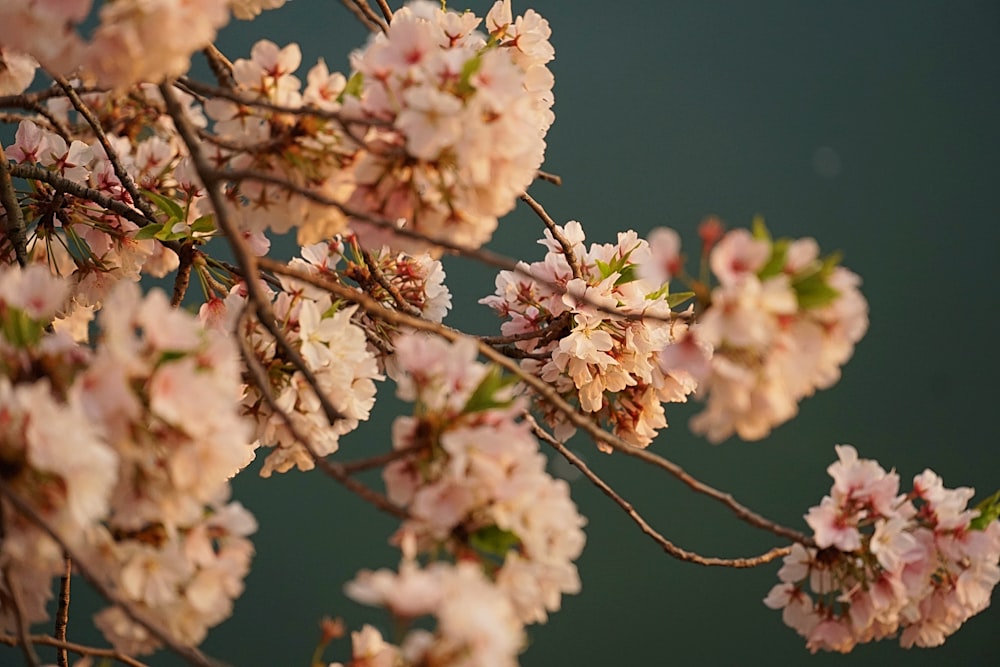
667 112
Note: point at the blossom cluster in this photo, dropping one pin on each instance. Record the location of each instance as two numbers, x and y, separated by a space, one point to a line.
95 248
124 450
886 562
135 40
596 338
438 128
475 484
476 623
334 349
462 120
777 327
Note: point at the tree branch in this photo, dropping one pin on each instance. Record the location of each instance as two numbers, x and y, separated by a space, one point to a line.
544 390
79 649
62 614
567 247
669 547
95 124
16 229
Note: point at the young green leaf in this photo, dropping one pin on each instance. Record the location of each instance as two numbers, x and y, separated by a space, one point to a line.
678 298
759 229
148 232
989 511
485 395
494 541
168 206
353 87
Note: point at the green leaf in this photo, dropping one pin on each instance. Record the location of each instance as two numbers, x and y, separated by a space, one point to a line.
353 87
776 263
469 69
813 292
678 298
148 232
989 511
170 208
484 397
604 268
203 225
167 233
494 541
759 229
627 274
19 329
831 261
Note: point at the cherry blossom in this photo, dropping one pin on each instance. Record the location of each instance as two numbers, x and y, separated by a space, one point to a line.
911 565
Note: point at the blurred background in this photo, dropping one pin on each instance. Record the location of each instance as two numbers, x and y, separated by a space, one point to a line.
873 127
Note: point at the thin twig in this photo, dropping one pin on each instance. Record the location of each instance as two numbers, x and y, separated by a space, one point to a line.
555 179
669 547
79 649
190 654
360 465
256 102
36 173
484 256
360 15
477 254
95 124
363 7
62 614
16 229
545 391
29 100
24 639
220 65
183 279
567 247
386 11
380 278
245 259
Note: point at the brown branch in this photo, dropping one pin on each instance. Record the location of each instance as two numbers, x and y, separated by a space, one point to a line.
79 649
95 124
386 11
555 179
669 547
17 231
362 6
360 465
36 173
246 100
220 65
24 639
183 279
62 614
380 278
484 256
478 254
359 15
190 654
29 100
245 259
543 389
567 247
